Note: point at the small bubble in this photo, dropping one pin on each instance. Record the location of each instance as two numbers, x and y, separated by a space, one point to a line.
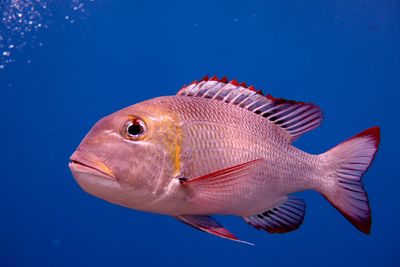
21 19
235 19
29 61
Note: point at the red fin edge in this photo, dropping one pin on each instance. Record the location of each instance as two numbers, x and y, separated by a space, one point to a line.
350 160
294 117
209 225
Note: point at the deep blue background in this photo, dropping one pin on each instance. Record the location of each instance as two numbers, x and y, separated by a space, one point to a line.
341 55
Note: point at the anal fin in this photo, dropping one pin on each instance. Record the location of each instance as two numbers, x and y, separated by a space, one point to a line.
210 225
286 217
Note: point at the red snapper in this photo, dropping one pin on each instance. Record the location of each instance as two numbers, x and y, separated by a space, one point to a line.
221 147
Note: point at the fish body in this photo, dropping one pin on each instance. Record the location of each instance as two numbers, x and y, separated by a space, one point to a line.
221 147
213 136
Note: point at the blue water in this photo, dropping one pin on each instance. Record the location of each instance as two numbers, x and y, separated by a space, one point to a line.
341 55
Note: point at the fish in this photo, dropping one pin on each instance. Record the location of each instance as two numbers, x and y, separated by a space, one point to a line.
220 147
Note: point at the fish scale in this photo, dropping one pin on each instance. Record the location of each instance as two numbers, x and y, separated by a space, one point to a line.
211 143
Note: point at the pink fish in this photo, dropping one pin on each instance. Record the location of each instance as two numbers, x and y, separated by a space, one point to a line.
221 147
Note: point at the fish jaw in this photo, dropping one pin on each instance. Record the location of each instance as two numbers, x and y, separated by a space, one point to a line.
91 180
90 165
95 177
78 168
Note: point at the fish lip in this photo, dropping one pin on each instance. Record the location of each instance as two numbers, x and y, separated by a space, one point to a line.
83 166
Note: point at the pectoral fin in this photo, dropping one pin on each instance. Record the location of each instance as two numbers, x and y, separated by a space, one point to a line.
210 225
217 187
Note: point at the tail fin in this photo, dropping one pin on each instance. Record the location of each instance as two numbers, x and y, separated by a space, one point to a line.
347 162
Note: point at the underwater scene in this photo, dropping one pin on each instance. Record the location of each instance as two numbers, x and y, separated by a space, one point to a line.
199 133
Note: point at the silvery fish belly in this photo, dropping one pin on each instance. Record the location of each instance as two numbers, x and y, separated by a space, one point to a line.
221 147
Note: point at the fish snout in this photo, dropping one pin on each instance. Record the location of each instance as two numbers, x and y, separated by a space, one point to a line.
88 163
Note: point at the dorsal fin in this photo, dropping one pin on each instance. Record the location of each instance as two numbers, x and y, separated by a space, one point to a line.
294 117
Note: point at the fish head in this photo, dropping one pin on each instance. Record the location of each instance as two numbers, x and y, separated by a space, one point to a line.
126 156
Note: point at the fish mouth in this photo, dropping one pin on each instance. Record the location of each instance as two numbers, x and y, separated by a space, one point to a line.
92 166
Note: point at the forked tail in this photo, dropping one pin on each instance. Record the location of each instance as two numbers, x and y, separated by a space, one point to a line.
347 163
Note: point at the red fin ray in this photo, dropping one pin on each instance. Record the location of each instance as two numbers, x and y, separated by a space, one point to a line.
295 118
217 187
210 225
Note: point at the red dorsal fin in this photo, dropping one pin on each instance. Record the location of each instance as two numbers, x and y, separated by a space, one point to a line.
205 78
224 80
235 82
294 117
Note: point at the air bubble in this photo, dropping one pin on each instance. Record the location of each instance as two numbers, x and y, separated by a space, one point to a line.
20 20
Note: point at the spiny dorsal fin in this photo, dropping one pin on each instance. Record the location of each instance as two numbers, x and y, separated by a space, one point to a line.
294 117
286 217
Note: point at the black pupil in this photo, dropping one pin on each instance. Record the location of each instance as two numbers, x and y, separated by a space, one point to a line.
135 129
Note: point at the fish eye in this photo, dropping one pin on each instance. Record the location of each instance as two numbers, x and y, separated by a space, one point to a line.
134 128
